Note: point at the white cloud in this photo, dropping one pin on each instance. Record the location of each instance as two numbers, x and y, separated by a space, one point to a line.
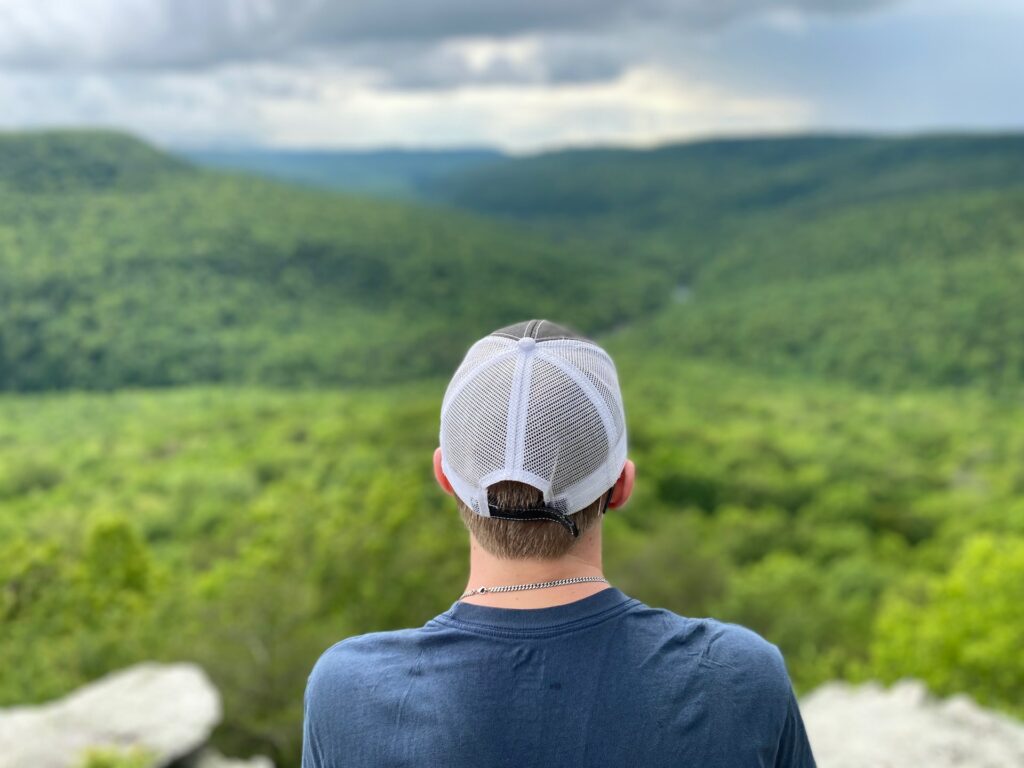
642 106
166 108
327 106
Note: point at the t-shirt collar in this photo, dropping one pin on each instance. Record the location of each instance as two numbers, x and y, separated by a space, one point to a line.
486 616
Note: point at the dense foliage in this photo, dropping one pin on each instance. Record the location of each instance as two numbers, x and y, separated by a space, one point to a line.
199 277
699 180
961 630
249 530
889 262
80 162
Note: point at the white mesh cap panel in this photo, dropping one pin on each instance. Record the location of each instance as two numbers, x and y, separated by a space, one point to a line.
477 405
568 441
484 351
547 412
597 366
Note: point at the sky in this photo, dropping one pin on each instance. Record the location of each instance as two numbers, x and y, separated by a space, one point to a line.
521 75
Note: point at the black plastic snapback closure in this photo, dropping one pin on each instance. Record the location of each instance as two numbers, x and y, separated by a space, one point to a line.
536 513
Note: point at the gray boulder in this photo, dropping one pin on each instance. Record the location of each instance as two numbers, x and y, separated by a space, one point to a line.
868 726
211 758
167 709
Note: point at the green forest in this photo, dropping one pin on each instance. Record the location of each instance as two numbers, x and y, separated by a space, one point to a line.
220 394
129 268
888 262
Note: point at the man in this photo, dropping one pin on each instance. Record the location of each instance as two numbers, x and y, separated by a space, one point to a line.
541 662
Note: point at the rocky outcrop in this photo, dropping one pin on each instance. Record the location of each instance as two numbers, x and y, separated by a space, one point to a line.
168 710
868 726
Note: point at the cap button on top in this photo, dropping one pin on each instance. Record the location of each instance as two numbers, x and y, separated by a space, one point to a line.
527 344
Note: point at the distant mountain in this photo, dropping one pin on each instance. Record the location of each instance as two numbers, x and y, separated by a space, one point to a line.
395 173
80 160
889 262
886 262
123 266
729 177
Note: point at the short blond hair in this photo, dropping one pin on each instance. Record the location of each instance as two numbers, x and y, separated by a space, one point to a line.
525 539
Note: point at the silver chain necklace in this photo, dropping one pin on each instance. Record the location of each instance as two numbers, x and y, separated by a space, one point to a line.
535 585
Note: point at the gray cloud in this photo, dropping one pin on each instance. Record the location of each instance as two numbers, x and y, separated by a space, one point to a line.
146 34
418 72
546 60
183 34
326 22
718 13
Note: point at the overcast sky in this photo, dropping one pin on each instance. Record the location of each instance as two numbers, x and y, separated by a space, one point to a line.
518 74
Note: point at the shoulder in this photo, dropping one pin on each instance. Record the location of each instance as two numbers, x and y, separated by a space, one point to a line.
724 649
737 646
726 652
352 661
715 642
749 674
742 657
736 673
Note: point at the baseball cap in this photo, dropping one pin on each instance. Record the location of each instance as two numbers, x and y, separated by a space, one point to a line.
536 403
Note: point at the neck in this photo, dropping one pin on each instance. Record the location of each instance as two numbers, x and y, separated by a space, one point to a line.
486 570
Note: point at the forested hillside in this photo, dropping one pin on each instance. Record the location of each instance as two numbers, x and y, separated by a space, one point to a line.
123 267
885 262
889 262
819 342
692 181
80 162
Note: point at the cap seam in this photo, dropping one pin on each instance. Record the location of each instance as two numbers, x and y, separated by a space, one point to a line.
545 340
518 392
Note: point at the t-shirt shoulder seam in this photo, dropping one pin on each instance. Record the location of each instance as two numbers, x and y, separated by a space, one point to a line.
761 649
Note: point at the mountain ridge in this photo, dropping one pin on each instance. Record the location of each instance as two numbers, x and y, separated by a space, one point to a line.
78 159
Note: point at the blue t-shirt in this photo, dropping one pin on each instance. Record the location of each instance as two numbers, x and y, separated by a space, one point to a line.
603 681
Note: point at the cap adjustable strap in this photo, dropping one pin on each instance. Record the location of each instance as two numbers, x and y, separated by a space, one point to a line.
536 513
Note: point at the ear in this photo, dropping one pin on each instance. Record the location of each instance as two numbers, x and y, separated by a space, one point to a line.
623 487
442 480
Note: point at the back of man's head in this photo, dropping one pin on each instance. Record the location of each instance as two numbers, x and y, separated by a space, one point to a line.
533 438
